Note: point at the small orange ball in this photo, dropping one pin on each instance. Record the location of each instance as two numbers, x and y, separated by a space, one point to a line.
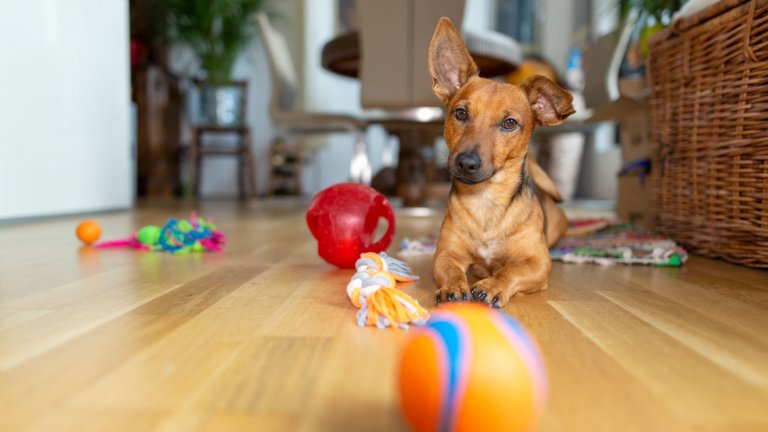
88 231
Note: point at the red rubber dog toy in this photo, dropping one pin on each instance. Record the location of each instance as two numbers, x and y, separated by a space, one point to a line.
343 219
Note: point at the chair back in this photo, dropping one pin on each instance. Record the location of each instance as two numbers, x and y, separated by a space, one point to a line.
601 85
394 45
284 79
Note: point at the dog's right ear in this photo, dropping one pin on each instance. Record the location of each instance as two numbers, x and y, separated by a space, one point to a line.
449 61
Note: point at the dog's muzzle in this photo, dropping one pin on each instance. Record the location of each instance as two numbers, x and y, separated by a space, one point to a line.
467 167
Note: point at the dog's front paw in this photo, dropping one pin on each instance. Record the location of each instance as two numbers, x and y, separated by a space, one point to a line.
453 292
491 292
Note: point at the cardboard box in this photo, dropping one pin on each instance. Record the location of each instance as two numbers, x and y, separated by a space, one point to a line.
635 121
635 88
633 203
635 134
633 116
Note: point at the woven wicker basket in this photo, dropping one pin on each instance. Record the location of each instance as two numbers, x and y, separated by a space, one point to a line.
709 107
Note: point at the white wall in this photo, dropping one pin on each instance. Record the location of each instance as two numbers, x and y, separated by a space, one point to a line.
556 31
64 107
479 15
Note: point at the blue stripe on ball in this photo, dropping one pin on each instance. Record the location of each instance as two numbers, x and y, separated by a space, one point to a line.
456 345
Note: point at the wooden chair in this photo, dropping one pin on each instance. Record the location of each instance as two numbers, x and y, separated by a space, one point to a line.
284 108
246 176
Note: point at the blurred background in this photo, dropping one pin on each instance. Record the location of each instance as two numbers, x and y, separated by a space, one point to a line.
105 102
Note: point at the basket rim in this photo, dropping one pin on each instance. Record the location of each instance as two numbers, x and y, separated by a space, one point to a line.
684 24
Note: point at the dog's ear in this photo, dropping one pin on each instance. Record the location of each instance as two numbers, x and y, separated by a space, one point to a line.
449 61
550 103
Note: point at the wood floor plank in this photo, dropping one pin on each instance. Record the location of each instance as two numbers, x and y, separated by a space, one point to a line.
274 374
361 368
207 343
691 385
741 315
39 255
48 330
571 282
51 377
75 419
224 421
583 379
743 355
722 270
168 372
744 285
11 318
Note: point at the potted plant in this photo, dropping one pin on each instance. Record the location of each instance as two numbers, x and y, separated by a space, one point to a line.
652 16
216 31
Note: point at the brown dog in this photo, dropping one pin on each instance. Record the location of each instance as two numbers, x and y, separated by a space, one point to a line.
494 224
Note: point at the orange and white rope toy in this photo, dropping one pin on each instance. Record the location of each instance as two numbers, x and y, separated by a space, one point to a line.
374 290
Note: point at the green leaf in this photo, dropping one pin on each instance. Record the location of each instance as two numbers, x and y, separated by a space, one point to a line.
217 31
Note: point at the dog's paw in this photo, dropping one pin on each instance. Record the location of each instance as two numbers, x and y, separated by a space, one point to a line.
491 292
453 292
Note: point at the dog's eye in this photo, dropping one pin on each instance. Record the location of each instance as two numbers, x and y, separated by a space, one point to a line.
460 114
509 123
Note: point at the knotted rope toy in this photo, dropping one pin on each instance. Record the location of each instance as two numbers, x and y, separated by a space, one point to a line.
197 234
374 290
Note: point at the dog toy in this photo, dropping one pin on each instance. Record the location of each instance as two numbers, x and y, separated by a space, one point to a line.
472 368
88 231
343 219
197 234
373 290
421 246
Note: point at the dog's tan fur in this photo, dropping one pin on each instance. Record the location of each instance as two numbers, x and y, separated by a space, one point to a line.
494 223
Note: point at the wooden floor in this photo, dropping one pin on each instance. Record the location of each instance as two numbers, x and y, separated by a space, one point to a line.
262 337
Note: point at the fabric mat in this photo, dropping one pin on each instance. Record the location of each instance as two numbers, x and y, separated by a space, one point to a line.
598 241
616 243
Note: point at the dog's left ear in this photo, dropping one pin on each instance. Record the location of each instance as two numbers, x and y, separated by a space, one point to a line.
450 63
550 103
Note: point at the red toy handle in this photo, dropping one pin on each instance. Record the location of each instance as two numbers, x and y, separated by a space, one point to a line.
383 209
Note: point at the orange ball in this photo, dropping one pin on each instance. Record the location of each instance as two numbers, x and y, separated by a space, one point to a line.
88 231
472 368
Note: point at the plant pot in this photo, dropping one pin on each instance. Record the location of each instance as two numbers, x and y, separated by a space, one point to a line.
222 104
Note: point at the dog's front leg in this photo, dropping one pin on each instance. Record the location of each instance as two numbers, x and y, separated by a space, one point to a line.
521 277
450 272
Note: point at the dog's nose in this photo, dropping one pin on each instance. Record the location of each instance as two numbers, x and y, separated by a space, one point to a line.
468 162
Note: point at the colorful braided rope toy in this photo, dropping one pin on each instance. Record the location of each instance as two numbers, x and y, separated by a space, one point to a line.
197 234
472 368
374 290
